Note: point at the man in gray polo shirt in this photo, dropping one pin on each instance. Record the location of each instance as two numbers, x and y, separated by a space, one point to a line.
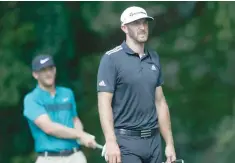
132 107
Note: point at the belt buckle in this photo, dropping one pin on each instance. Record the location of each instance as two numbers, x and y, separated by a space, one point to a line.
65 152
122 131
74 150
145 133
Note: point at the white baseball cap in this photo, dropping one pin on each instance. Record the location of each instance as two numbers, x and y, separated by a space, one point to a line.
132 14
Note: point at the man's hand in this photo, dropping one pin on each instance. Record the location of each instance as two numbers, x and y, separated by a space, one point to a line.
87 140
111 152
170 153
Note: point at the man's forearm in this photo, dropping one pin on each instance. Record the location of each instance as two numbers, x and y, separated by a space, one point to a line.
78 124
164 121
60 131
106 118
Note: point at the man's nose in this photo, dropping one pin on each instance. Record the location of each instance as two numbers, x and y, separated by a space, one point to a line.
141 26
49 72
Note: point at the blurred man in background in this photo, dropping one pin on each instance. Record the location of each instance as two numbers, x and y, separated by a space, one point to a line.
132 107
52 117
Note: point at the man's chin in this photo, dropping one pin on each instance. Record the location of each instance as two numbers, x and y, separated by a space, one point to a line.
49 84
142 40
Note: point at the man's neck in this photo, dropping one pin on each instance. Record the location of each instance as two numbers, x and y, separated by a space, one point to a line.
135 46
50 89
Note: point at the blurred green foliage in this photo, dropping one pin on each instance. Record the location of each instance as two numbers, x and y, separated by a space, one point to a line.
195 41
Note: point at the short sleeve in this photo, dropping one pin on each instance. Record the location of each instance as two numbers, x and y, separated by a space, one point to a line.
156 60
74 109
32 110
160 77
106 77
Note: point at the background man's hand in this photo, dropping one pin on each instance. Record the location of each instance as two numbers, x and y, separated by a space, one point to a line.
87 140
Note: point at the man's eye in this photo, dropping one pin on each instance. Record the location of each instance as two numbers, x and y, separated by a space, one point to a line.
135 22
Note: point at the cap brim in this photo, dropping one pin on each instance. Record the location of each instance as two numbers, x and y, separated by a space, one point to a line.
149 18
48 64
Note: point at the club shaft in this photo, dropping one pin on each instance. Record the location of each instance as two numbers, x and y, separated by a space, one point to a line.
99 146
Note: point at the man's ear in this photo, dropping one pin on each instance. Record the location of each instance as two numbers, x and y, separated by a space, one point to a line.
35 75
124 29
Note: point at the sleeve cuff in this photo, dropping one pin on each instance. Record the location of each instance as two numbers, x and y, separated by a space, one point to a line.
105 89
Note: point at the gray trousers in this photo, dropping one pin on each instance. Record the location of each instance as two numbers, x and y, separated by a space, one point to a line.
140 150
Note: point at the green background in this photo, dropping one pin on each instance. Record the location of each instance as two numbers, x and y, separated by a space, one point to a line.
195 41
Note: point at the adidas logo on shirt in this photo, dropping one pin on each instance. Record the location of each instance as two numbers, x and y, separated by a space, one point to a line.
102 83
153 68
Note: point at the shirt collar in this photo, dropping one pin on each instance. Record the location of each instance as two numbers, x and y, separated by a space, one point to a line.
44 91
129 50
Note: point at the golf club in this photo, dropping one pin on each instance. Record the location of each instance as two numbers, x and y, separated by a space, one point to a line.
177 161
98 146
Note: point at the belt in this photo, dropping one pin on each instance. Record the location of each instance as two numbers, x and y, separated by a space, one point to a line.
140 133
59 153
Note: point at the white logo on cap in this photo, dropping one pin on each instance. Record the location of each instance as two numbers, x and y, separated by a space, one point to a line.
135 13
42 61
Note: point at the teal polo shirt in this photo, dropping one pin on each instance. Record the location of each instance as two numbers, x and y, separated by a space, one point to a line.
61 109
